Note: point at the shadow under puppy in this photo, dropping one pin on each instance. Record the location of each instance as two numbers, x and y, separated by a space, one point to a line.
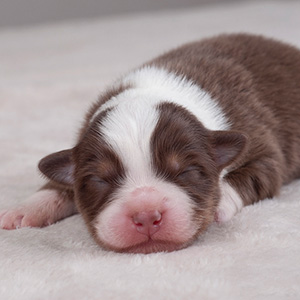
187 139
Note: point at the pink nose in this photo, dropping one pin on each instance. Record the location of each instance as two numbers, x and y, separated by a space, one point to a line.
147 222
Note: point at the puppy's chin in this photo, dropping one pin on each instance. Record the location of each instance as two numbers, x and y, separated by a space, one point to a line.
150 246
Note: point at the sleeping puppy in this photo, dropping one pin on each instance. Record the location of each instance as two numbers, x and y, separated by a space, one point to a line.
185 140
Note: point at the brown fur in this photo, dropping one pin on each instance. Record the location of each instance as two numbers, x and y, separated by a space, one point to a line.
98 173
182 154
256 81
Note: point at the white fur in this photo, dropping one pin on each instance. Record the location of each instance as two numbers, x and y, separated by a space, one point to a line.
128 130
230 203
43 208
156 85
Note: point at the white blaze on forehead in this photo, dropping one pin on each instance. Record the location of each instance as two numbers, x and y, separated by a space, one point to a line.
128 129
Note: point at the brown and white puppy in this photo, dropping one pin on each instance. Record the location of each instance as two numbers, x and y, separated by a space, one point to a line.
186 139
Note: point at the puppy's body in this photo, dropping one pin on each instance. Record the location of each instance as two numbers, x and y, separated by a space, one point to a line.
188 138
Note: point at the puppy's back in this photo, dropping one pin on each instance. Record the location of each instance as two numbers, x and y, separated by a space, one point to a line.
256 81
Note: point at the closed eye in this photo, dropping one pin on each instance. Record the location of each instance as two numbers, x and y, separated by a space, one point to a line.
189 169
98 180
191 172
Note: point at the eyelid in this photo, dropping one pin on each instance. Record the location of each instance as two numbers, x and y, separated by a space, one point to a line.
97 179
189 169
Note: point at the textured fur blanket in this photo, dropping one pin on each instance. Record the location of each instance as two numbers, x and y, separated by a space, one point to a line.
49 77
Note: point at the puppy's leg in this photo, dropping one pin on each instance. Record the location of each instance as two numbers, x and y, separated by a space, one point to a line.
256 180
230 203
47 206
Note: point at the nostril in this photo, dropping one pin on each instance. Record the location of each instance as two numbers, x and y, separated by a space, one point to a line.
157 222
147 222
137 224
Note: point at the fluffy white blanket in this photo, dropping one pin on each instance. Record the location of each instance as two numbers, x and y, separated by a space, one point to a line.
49 76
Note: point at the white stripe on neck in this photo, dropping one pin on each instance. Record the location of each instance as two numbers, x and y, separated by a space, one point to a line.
156 85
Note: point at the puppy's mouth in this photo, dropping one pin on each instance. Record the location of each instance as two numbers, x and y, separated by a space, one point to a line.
152 246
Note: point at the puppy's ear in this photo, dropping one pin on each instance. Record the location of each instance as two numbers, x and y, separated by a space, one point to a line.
228 147
58 167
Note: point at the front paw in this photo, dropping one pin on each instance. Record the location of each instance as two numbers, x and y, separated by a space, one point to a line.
11 218
22 216
41 209
230 203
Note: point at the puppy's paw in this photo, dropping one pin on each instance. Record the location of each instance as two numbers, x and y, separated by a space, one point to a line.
10 219
230 203
42 209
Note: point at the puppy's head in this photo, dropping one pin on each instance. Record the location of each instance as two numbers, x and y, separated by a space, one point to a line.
146 178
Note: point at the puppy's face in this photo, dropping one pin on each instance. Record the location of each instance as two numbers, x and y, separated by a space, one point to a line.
145 182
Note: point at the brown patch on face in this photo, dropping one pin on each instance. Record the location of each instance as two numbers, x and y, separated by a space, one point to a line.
98 172
106 169
173 161
182 154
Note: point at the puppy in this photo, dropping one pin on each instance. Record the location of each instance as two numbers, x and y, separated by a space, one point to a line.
187 139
